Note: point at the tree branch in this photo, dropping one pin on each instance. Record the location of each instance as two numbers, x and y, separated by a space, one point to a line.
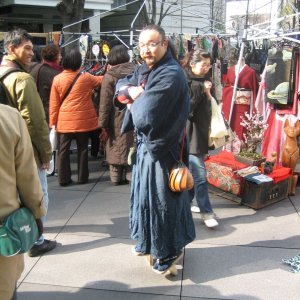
162 15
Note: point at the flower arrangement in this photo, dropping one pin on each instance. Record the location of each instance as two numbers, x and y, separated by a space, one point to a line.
255 130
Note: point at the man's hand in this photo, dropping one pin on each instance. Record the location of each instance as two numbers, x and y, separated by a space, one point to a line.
135 91
103 135
45 166
207 88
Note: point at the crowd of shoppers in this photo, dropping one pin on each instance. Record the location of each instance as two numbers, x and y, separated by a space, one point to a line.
153 103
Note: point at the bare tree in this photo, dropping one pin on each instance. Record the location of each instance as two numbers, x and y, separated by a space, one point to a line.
217 15
153 13
71 11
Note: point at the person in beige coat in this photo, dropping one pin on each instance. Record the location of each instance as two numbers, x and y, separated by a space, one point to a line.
23 95
19 177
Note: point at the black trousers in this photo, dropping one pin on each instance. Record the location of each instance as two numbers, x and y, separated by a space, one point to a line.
63 159
95 141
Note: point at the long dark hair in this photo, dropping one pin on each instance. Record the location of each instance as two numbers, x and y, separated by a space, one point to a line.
118 55
72 60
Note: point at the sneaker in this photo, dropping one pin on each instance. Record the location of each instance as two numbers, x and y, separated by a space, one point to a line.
195 209
38 250
211 223
161 266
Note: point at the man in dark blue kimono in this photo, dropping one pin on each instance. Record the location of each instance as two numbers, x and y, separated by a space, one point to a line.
157 100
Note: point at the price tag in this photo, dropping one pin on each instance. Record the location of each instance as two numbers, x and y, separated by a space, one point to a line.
105 49
96 50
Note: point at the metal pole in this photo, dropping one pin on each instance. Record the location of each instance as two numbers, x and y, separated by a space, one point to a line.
131 29
239 65
181 7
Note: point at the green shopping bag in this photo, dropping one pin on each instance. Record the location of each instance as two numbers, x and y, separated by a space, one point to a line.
18 232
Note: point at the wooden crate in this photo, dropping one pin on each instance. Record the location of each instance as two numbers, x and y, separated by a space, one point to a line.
260 195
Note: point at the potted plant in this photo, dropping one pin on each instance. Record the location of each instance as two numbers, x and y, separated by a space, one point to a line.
255 127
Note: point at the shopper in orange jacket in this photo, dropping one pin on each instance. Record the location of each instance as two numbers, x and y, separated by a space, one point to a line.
73 117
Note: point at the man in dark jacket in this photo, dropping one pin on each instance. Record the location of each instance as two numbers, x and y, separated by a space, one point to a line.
23 95
44 73
160 220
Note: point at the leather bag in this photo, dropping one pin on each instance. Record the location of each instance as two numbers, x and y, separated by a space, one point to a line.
18 232
180 178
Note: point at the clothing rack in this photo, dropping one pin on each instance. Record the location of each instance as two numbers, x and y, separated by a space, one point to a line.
268 35
97 15
131 30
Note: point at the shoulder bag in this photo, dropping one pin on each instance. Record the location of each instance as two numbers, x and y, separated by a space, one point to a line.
18 232
180 178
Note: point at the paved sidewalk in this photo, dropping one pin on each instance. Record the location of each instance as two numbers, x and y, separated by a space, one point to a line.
240 259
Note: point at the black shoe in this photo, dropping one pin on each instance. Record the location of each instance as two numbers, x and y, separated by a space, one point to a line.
66 183
122 182
83 182
161 266
38 250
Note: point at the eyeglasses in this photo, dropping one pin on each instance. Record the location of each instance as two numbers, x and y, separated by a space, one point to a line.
150 46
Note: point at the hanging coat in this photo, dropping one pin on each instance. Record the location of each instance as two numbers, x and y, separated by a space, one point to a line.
247 80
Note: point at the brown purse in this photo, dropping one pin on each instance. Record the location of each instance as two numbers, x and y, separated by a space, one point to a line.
180 178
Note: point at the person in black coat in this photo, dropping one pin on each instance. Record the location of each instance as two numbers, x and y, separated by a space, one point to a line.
197 65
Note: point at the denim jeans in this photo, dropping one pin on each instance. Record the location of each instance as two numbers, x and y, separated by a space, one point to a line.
197 168
43 180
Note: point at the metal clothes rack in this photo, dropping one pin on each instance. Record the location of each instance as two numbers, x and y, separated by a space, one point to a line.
131 29
268 34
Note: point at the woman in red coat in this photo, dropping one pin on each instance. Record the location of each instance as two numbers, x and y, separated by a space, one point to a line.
75 116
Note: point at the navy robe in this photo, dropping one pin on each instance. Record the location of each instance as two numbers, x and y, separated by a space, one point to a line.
160 220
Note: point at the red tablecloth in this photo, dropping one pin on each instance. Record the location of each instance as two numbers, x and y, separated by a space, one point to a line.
220 172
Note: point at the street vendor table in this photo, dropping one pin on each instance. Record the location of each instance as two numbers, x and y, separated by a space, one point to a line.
222 175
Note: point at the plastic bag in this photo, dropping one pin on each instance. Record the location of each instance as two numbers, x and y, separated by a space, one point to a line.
217 126
53 138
